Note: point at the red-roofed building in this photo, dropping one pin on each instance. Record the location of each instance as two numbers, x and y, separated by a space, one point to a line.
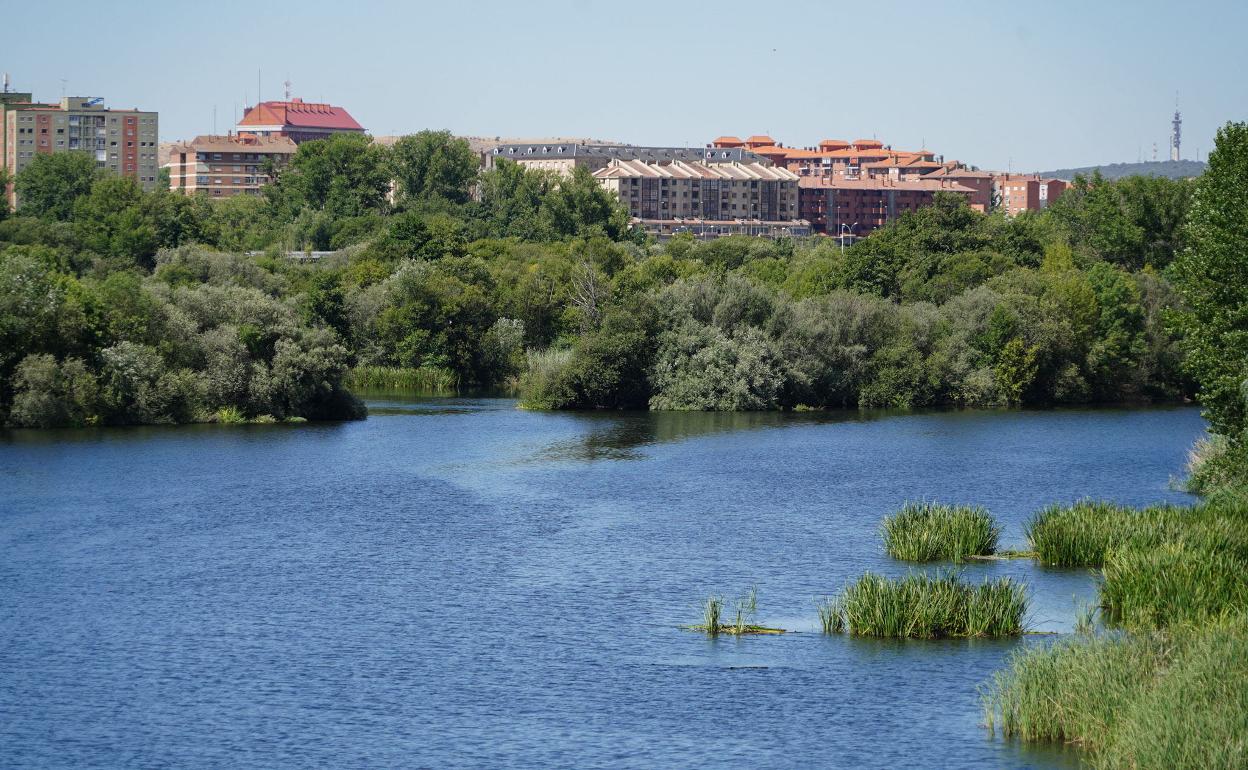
299 120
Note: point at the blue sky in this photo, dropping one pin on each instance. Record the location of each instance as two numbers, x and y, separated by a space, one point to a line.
1029 86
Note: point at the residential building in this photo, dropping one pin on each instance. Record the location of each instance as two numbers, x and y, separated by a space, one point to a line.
224 166
680 189
563 157
979 181
709 229
1017 193
837 158
121 141
297 120
857 207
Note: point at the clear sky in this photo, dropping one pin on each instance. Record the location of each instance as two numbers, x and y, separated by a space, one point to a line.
1030 86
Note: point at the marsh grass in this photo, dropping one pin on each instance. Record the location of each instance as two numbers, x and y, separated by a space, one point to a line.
1081 535
831 615
1176 699
927 607
741 609
1171 583
937 532
424 379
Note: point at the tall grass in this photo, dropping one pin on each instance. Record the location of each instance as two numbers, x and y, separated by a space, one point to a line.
1080 535
741 610
424 379
926 607
934 532
541 386
1171 583
1176 699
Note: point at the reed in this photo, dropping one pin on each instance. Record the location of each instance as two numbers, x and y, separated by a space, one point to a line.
424 379
831 615
1081 535
934 532
1174 582
742 609
1172 699
930 607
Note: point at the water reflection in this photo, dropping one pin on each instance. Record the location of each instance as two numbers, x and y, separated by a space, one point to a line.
619 435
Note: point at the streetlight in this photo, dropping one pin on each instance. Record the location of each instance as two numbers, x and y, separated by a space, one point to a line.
845 227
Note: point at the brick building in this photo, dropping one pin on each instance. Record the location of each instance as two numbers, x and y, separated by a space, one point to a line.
837 158
563 157
298 120
121 141
715 194
224 166
858 207
1017 193
979 181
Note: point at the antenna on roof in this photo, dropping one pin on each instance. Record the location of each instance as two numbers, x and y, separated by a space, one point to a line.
287 84
6 82
258 89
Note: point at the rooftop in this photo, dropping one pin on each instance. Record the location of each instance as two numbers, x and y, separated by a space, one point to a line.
678 169
300 114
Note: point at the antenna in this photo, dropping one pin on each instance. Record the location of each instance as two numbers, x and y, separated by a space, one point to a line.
258 89
214 120
6 82
64 82
1176 131
287 84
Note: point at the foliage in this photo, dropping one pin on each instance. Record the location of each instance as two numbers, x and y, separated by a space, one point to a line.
935 532
922 606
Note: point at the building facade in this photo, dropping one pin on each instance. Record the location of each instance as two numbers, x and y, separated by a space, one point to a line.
858 207
562 158
837 158
225 166
1016 193
718 191
121 141
297 120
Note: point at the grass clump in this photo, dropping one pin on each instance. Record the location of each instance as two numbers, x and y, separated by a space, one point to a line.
921 606
1157 699
1171 583
1081 535
423 379
936 532
720 616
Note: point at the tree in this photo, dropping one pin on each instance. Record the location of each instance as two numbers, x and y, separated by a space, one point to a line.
579 206
1211 274
434 165
345 175
51 183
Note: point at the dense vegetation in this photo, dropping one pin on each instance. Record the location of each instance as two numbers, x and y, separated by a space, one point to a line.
118 305
937 532
1168 688
921 606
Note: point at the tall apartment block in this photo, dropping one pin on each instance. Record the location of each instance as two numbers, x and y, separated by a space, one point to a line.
1017 193
121 141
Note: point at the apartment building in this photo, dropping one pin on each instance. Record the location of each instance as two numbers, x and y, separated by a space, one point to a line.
858 207
121 141
297 120
837 158
561 158
225 166
979 181
1017 193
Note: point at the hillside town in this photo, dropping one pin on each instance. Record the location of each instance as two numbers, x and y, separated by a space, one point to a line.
756 186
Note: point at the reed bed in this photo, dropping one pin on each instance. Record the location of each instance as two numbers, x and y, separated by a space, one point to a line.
936 532
1080 535
424 379
1173 699
1171 583
921 606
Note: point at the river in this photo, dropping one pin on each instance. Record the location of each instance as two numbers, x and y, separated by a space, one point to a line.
459 583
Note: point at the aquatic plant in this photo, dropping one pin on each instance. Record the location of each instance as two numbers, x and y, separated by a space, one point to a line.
424 379
1174 699
930 607
1173 582
831 615
934 531
743 609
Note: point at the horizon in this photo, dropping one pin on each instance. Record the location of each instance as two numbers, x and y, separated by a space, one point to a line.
1033 105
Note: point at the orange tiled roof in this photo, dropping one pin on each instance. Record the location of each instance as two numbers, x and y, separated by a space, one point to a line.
760 139
300 114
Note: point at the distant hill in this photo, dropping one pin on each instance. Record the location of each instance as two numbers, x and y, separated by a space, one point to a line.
1171 169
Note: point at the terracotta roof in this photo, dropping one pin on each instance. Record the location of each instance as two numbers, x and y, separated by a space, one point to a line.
239 143
873 143
760 139
300 114
957 173
727 140
836 144
914 185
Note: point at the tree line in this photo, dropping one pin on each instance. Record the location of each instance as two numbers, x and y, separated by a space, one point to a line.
119 305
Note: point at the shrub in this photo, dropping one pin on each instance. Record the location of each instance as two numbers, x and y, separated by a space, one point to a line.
932 532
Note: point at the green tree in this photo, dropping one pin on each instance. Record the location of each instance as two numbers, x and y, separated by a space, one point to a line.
345 175
579 206
51 183
433 166
1211 275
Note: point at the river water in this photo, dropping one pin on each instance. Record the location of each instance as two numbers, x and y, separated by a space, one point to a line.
459 583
